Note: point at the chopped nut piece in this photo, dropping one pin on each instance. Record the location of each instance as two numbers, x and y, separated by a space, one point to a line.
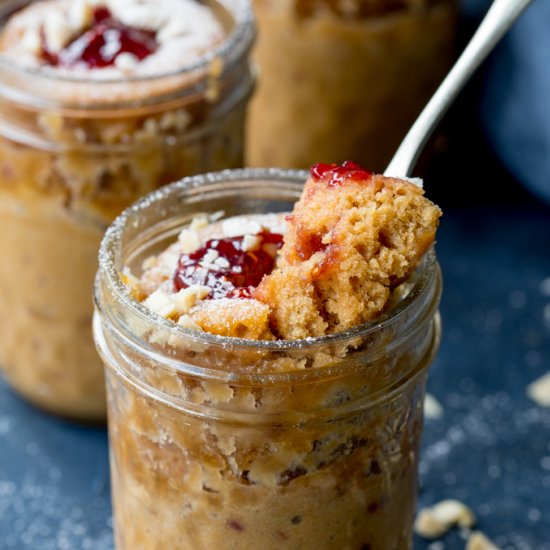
161 303
200 221
171 30
217 216
432 523
57 31
80 14
175 120
31 41
478 541
189 241
432 407
126 62
186 322
143 16
187 298
251 242
539 390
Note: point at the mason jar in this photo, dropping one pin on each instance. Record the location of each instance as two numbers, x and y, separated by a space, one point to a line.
220 442
73 154
344 79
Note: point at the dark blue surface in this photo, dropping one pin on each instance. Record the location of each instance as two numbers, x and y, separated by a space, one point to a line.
516 98
491 449
54 481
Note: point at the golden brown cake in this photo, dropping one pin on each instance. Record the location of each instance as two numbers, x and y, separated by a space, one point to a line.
351 239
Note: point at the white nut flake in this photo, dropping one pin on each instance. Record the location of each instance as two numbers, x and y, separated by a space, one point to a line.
126 62
187 298
160 302
171 305
57 31
432 407
200 221
31 41
141 15
80 14
173 29
251 243
478 541
432 523
189 241
539 391
186 321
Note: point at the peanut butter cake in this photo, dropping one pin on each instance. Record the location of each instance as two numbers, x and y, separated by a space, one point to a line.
370 65
101 101
266 369
352 238
109 39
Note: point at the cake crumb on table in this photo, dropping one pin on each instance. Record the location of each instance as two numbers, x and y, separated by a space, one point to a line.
539 390
434 522
432 407
478 541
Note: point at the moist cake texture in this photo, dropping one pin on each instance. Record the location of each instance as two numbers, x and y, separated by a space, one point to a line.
352 238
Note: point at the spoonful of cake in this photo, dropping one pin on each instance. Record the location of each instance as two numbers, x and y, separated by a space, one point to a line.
500 17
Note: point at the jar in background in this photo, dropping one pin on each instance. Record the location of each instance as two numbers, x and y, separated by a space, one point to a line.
73 154
344 79
219 442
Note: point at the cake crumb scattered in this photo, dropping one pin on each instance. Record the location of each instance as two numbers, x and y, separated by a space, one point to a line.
539 390
432 407
434 522
478 541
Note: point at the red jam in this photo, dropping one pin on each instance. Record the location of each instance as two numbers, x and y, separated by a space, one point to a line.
233 272
335 175
100 45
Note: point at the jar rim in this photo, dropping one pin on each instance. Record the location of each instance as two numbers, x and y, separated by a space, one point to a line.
109 272
237 41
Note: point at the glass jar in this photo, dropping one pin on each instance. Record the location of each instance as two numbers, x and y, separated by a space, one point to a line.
219 442
73 154
344 79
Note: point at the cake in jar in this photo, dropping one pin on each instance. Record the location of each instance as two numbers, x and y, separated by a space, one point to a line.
101 101
367 66
266 367
351 239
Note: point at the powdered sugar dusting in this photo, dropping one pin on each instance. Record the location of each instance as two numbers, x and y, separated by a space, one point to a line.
54 496
184 29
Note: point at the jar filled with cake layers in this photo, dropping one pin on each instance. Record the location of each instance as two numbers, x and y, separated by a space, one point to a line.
101 101
344 78
259 399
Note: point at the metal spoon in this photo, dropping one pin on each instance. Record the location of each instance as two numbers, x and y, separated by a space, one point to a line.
498 20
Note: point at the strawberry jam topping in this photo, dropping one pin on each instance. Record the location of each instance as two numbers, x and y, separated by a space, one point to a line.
335 175
100 45
226 267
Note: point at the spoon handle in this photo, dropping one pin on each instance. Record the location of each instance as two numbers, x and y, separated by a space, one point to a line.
499 19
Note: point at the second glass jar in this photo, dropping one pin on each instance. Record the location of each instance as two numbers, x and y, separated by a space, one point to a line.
73 154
